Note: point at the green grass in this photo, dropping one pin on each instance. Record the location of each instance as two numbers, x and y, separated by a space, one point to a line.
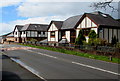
92 56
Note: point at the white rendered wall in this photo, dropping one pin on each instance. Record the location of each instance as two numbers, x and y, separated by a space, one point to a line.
95 29
48 36
77 32
23 35
56 36
67 34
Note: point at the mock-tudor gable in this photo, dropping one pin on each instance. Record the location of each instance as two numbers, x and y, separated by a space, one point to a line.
17 30
54 33
87 23
52 27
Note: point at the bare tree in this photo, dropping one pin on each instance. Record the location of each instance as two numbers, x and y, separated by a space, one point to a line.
103 5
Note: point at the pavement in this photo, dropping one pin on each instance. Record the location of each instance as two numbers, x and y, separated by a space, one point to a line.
14 72
51 65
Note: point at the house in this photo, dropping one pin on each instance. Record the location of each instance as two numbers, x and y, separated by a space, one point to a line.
68 29
1 40
10 37
63 31
54 32
4 37
34 31
17 33
103 24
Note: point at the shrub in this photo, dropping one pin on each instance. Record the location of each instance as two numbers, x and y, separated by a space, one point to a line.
114 40
33 40
79 40
92 34
118 45
92 38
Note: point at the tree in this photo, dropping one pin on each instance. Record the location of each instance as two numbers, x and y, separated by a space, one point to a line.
103 5
92 34
92 38
79 40
114 40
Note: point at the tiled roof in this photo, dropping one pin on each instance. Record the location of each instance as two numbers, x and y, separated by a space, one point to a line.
10 34
19 27
71 22
103 19
36 27
58 24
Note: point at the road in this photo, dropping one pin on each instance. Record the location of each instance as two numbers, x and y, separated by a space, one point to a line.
53 65
13 71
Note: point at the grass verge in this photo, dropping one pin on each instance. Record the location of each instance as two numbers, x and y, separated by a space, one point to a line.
92 56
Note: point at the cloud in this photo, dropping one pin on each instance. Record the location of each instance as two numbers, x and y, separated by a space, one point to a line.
69 0
34 9
8 27
5 3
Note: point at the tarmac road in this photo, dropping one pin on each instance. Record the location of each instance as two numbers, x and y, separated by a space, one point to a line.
58 66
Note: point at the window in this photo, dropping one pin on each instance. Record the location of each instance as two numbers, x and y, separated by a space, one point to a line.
43 33
39 32
24 32
104 15
86 31
15 39
15 33
35 26
63 33
73 33
101 29
72 40
53 33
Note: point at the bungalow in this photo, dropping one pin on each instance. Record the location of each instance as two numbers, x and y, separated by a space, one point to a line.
34 31
104 25
10 37
63 31
54 32
4 37
17 33
68 29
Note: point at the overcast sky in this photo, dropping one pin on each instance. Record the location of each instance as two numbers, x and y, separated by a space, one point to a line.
20 12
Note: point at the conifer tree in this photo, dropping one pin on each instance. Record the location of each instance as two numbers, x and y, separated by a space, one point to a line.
79 40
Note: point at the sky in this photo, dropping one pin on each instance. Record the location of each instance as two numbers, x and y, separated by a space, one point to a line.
21 12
